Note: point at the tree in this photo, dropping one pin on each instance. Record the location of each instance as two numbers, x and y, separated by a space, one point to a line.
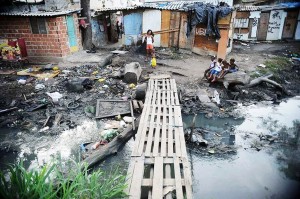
87 32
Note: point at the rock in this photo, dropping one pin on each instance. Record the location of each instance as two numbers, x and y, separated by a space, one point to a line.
140 91
117 61
132 72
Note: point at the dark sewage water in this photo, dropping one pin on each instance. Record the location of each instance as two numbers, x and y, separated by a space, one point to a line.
273 171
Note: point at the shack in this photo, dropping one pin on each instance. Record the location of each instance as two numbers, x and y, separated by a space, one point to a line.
262 23
169 22
47 34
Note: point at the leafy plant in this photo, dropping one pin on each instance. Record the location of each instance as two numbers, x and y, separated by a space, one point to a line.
77 183
26 184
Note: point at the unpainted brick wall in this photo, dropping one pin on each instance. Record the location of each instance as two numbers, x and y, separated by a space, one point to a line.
53 44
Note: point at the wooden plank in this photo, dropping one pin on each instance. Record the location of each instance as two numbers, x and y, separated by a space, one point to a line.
163 83
179 192
168 84
157 178
168 97
151 177
161 76
152 160
141 129
149 141
164 134
163 98
132 115
159 97
170 137
177 143
135 190
156 141
141 105
187 178
166 182
168 176
165 24
143 136
172 98
155 84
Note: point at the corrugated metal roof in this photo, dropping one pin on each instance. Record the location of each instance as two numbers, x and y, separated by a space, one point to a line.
38 13
117 8
247 8
174 5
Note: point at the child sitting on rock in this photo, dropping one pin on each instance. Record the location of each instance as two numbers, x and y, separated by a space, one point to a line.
216 70
211 66
232 67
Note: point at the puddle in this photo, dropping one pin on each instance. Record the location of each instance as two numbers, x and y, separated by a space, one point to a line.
273 172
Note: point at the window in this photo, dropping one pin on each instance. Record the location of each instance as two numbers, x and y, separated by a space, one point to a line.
38 25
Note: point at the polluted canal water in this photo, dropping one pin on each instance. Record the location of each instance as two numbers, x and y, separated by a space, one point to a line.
266 163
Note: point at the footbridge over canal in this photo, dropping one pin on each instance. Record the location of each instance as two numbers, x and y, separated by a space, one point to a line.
159 166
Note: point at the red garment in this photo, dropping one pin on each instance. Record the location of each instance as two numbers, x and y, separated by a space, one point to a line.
82 23
12 43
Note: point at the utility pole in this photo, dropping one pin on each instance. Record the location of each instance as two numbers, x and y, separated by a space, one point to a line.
86 32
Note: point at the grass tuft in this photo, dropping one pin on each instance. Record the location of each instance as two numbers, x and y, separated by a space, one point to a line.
77 183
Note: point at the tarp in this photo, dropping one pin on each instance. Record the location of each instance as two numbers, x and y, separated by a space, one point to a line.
207 14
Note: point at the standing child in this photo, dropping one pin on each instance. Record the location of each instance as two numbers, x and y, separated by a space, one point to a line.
149 37
216 70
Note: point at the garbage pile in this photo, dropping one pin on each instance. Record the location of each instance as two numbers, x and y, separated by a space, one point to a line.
49 99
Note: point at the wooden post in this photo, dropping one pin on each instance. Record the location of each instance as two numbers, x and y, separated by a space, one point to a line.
87 32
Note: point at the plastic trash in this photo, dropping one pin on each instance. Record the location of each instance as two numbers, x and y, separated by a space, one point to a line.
55 96
153 62
132 86
128 119
39 87
109 134
122 124
101 80
21 81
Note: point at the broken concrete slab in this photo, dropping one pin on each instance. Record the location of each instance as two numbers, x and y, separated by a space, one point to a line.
101 59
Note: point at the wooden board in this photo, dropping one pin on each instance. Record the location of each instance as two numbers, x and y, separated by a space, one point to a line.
165 24
159 144
263 26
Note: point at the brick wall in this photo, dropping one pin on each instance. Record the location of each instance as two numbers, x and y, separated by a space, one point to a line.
53 44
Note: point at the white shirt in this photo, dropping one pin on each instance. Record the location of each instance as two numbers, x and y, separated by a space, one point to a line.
218 67
149 40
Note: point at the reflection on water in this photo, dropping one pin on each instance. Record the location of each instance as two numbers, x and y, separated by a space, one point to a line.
272 172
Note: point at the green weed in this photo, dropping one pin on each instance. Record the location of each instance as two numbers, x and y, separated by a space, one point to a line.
273 66
77 183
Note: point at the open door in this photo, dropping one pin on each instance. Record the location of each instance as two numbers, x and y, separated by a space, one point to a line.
72 34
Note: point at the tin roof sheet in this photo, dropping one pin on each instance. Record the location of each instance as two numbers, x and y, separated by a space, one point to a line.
247 8
174 5
38 13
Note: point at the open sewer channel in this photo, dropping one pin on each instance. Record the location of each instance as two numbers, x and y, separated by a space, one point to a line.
258 168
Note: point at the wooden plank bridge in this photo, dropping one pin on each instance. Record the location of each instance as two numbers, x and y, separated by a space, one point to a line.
159 166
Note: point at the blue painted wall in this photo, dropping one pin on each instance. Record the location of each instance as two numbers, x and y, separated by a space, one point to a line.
132 27
99 38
